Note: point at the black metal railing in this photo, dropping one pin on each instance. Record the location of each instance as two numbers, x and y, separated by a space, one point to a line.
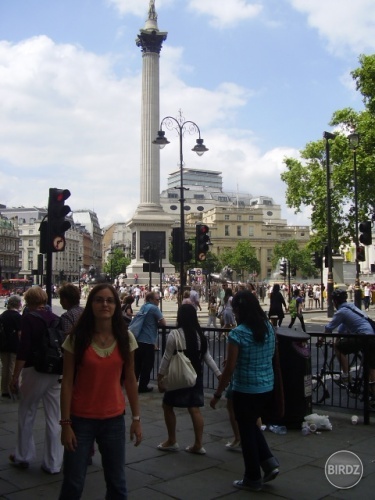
329 389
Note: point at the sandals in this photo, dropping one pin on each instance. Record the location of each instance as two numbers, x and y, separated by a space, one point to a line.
172 447
190 449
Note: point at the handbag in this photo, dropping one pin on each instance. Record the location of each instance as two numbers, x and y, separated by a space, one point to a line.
181 373
136 324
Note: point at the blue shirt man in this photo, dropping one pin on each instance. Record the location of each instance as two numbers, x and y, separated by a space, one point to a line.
348 319
144 356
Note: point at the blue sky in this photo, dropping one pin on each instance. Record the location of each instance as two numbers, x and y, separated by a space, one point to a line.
260 78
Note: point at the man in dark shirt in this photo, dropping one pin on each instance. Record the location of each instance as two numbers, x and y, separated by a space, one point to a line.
11 322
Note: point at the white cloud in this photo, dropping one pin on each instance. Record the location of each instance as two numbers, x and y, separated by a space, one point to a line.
226 14
137 7
68 121
345 24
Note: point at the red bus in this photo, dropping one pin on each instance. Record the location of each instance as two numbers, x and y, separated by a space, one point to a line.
14 285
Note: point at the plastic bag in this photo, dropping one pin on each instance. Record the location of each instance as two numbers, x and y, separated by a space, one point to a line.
321 421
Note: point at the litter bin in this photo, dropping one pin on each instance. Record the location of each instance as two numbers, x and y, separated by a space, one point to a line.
295 363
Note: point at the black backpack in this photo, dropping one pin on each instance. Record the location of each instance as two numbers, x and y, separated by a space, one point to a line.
49 356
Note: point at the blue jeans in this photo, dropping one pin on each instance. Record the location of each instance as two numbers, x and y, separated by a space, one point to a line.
110 436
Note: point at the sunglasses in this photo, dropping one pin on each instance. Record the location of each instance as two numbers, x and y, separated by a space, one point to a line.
102 300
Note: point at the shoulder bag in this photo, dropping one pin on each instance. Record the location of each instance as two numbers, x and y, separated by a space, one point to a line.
136 324
181 373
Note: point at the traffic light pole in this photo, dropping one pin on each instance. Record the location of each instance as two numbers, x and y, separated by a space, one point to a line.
49 276
357 286
330 310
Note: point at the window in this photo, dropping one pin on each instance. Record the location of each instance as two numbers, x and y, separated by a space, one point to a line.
239 231
223 198
251 230
31 242
226 231
251 217
172 195
239 217
31 231
199 196
226 217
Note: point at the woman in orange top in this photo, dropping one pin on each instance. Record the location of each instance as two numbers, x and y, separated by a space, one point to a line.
98 358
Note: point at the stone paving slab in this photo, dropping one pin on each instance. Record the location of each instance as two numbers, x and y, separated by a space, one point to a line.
156 475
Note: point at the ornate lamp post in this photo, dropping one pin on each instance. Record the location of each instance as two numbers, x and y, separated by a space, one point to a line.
330 311
353 145
181 126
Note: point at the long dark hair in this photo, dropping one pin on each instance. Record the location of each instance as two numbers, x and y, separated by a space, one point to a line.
248 311
228 293
83 332
187 319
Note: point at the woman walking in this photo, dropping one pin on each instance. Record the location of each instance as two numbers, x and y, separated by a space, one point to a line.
192 398
98 359
277 302
35 387
251 346
228 316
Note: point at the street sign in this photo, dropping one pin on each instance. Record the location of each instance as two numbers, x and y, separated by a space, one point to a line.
154 268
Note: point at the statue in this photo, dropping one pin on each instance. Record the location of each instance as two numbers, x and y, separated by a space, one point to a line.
152 12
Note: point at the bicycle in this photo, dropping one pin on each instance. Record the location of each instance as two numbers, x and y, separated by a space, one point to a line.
328 371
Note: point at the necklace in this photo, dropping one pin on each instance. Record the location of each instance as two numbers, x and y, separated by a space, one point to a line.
106 341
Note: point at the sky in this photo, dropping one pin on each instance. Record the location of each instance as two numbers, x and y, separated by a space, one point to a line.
260 78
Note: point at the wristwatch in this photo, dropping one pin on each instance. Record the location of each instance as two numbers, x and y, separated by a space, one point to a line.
136 418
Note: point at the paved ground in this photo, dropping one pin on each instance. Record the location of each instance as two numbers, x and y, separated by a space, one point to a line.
152 474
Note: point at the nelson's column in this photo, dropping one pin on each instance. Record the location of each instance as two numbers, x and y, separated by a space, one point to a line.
150 225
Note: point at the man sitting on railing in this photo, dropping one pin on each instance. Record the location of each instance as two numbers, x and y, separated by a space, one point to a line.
348 319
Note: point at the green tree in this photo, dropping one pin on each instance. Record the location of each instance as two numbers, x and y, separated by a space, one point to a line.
242 259
117 263
306 177
300 258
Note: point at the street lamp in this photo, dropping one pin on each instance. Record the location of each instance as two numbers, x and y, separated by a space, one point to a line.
353 145
330 311
181 126
111 253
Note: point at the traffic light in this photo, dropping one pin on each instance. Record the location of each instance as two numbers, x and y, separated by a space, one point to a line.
201 242
361 256
283 267
57 225
188 251
176 244
317 260
294 271
366 232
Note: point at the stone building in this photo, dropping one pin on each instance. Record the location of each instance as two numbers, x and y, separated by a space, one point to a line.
9 248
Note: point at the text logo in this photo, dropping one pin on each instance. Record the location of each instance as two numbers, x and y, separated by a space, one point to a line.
344 469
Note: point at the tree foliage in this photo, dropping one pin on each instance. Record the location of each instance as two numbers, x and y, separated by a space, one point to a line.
242 259
297 257
116 263
306 178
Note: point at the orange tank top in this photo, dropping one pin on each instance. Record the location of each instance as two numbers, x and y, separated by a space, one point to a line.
97 391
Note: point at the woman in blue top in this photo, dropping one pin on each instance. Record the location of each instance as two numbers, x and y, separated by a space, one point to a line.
250 350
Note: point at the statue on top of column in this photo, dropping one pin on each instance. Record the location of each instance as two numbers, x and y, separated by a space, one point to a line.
152 12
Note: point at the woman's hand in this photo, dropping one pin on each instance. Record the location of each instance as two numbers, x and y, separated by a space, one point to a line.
136 430
68 438
213 403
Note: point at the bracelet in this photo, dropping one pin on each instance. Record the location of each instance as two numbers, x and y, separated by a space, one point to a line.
136 419
65 421
217 396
